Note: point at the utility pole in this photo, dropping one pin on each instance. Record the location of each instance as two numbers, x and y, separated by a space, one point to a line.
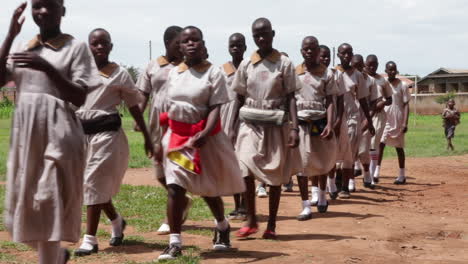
150 51
334 54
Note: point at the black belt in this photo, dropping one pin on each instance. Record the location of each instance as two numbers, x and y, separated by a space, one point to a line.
111 122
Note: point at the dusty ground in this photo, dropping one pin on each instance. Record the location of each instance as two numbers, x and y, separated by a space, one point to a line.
425 221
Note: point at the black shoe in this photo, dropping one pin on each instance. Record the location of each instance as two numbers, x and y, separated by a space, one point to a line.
84 252
322 208
221 239
333 195
357 173
117 241
369 185
303 217
397 182
66 255
233 215
171 252
288 187
376 180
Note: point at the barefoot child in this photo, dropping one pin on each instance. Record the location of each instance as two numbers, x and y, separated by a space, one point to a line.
266 86
324 59
397 121
45 162
451 118
384 93
354 99
364 144
315 107
106 143
153 84
237 49
197 156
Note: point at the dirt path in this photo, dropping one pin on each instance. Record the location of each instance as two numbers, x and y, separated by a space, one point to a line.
424 221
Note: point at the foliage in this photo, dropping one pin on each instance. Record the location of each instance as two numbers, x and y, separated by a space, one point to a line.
133 71
443 99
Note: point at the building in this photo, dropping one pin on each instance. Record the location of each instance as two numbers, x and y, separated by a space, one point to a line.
444 80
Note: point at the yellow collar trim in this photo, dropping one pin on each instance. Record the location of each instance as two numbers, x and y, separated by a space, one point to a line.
55 43
273 57
229 68
162 61
318 71
201 67
108 70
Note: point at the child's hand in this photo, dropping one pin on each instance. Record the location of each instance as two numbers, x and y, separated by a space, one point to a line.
371 129
327 133
365 126
293 140
149 149
405 129
31 60
198 140
17 21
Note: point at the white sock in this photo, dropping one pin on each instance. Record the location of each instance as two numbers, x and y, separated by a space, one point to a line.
49 252
377 172
322 197
223 225
331 185
306 207
164 228
314 193
374 155
175 239
402 175
367 177
88 242
117 226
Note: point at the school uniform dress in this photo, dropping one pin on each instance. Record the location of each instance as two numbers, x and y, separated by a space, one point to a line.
318 155
46 160
393 133
380 119
262 148
353 82
365 142
107 151
227 109
191 93
154 82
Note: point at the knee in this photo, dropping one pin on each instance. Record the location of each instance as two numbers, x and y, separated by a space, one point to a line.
175 191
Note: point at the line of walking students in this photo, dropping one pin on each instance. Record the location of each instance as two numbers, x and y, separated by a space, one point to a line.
212 130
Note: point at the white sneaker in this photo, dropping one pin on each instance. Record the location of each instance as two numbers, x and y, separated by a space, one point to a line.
261 192
164 229
352 185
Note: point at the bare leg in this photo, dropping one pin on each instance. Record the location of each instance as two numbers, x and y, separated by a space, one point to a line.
249 198
401 157
216 206
381 152
175 203
322 182
109 210
93 213
274 200
303 187
237 202
49 252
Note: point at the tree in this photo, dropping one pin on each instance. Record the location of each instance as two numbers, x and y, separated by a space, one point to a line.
133 71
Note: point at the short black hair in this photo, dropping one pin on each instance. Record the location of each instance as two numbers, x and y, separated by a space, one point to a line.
171 33
102 30
372 57
262 20
238 35
390 62
325 47
194 27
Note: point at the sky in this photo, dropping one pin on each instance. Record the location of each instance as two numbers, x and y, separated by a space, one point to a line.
420 35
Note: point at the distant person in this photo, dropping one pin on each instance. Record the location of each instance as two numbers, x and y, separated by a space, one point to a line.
397 121
266 87
236 48
380 116
44 190
451 118
106 142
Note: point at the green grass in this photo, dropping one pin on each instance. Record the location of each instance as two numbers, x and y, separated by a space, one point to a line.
8 245
2 206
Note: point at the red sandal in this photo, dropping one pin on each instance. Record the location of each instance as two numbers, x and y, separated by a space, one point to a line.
246 231
269 235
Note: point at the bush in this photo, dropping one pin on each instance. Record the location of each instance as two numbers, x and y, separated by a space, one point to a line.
445 97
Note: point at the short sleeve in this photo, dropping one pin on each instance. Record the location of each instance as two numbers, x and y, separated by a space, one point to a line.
218 94
405 93
290 80
128 91
144 81
239 84
361 87
83 69
331 86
